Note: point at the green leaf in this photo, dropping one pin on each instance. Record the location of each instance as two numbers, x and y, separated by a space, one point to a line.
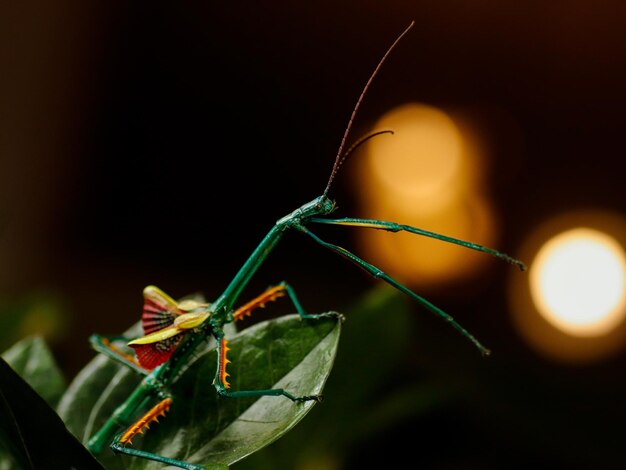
376 385
34 362
202 427
32 432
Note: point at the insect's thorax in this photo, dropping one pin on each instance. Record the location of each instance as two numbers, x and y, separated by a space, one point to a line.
222 307
321 205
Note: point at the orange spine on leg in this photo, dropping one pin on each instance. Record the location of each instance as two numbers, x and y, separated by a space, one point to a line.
269 295
144 422
223 362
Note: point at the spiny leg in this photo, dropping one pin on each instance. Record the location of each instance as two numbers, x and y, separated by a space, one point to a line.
394 227
124 439
106 346
272 294
222 385
143 423
377 273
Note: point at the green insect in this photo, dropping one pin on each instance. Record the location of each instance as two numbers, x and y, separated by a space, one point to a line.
173 331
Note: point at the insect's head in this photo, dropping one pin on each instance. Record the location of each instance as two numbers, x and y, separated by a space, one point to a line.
325 205
321 205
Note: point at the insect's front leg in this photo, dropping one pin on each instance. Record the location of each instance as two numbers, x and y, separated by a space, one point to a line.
222 386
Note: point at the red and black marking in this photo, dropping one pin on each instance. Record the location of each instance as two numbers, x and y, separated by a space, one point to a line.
157 316
155 354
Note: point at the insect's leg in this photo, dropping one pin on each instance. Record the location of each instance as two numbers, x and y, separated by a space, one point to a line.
222 385
124 414
303 313
394 227
377 273
274 293
270 295
123 440
106 346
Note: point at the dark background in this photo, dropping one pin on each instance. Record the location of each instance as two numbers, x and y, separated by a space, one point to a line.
157 143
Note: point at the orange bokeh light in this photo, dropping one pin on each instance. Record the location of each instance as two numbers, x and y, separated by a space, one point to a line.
424 175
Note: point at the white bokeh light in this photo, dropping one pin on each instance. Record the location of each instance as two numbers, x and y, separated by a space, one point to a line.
578 282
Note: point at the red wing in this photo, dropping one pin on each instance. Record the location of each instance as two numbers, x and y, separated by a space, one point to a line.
154 354
159 310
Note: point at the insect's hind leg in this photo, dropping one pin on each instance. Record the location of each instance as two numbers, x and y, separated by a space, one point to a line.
378 274
124 439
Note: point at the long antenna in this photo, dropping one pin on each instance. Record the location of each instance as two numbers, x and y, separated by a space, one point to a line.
338 159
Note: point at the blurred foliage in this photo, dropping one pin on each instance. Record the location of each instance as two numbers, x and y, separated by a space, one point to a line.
32 435
40 313
34 362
